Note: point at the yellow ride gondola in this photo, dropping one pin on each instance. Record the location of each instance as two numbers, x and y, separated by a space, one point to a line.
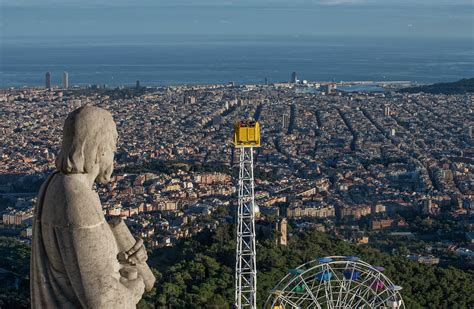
247 134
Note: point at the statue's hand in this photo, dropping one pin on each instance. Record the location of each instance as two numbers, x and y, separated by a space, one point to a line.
137 286
137 254
128 272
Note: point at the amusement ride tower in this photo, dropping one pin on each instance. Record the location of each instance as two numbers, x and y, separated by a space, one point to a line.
246 137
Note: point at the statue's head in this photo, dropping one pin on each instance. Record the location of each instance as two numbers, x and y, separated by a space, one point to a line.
89 143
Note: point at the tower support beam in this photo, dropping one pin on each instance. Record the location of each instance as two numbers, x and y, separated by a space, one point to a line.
245 265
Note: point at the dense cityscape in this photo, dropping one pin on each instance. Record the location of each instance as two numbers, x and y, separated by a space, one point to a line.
390 170
328 158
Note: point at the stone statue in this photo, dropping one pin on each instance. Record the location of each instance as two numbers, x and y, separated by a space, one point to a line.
78 260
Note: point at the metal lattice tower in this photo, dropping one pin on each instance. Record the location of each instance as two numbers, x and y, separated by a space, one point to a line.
245 265
246 137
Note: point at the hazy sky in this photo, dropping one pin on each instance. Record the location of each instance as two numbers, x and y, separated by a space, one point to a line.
390 18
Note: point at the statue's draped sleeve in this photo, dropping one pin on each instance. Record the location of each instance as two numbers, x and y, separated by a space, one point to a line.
74 252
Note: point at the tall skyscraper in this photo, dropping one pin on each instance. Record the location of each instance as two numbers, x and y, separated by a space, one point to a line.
386 111
65 80
294 78
285 121
48 80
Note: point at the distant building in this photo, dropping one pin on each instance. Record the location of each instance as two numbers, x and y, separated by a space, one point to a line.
322 211
137 85
294 78
17 218
429 260
429 208
28 232
65 80
212 178
281 227
48 80
362 240
354 212
189 100
330 88
285 121
382 224
386 111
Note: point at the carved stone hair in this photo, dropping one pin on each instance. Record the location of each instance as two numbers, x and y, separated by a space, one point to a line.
88 131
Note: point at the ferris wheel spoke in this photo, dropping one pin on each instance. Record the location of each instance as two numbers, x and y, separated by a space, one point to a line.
329 281
315 300
348 284
319 287
313 283
369 289
288 301
382 297
381 302
335 278
328 295
357 290
376 298
363 296
342 287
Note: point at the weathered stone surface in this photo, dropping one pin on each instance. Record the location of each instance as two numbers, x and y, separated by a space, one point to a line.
131 251
74 252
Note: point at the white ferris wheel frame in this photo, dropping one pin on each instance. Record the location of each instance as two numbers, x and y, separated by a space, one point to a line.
335 290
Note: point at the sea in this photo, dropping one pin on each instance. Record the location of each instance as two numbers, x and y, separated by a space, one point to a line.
162 60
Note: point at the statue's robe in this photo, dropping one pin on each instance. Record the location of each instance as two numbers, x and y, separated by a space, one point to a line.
74 254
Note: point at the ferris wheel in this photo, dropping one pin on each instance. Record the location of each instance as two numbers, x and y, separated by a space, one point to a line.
335 282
